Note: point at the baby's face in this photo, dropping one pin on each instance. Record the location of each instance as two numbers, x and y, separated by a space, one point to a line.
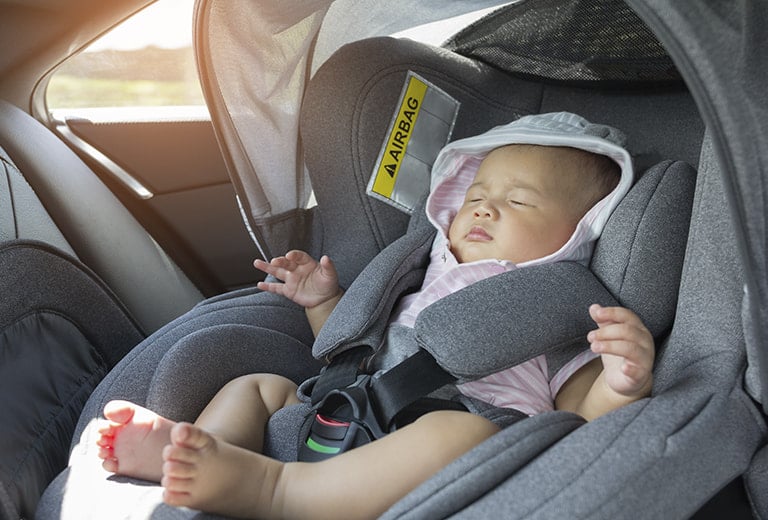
515 209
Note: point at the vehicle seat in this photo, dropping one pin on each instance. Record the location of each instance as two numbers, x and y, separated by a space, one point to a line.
52 196
82 284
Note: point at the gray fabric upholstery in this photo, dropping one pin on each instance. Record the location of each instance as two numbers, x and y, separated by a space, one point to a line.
525 313
361 316
640 254
202 350
176 372
468 479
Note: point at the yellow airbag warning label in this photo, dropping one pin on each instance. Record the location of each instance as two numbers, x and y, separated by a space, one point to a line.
421 125
385 176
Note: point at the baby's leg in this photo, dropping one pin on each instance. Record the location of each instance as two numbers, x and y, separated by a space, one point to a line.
205 473
239 412
132 439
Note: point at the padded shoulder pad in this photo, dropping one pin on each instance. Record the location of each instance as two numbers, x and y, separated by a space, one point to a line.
512 317
639 256
362 315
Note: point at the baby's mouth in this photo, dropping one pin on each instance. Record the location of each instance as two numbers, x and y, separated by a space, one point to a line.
478 234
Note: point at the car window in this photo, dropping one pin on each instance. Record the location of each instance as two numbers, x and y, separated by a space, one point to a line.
146 61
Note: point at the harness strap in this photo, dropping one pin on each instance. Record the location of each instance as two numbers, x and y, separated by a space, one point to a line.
350 409
340 373
404 384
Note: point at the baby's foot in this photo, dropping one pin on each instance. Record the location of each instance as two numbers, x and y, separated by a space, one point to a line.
206 473
132 439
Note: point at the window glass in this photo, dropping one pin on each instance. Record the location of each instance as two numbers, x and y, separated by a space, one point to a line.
145 61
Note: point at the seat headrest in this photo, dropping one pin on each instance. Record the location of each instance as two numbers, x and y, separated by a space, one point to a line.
639 256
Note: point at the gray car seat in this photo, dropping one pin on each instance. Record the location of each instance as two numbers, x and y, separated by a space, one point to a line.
62 202
698 395
682 393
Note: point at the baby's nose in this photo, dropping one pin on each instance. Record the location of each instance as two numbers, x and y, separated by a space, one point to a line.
485 210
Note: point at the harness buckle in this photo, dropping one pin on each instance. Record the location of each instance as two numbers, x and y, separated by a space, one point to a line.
343 420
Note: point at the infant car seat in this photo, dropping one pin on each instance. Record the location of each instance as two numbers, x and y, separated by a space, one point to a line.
660 457
353 96
541 477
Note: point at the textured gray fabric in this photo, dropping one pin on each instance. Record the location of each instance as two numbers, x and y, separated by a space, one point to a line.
61 330
728 74
657 458
471 476
281 440
362 314
648 460
38 277
524 313
711 287
175 372
640 254
215 342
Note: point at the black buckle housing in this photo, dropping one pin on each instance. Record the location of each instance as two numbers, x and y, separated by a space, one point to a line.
343 420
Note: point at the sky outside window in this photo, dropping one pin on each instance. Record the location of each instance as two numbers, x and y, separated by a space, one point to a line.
147 61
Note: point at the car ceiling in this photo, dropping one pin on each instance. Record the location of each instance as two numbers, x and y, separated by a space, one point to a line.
36 35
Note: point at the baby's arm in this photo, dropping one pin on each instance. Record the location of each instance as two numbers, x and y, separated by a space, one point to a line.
623 373
312 284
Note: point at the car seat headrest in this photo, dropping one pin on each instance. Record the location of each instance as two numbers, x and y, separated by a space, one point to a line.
639 257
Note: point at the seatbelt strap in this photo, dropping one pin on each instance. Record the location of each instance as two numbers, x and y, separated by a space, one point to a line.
404 384
340 373
350 408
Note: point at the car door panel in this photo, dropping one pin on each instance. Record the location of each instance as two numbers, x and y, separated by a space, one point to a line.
166 166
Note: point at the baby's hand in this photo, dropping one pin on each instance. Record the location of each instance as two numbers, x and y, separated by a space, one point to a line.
627 350
304 280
